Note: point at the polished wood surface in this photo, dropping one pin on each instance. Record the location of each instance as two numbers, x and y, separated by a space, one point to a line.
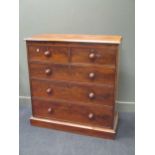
77 73
105 55
86 94
49 54
101 132
109 39
71 112
73 81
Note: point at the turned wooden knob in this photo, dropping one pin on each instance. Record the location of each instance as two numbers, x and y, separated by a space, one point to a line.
37 50
48 71
92 55
47 53
48 90
91 75
50 110
91 95
90 115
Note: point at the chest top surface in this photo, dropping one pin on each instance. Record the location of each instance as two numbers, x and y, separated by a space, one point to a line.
109 39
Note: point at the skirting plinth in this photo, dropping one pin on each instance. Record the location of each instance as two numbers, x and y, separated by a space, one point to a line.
77 128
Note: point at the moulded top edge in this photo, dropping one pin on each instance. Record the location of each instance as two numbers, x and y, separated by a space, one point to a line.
109 39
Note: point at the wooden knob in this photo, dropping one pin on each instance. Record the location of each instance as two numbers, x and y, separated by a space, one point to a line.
91 75
48 71
91 95
90 115
92 55
50 110
48 90
47 53
37 50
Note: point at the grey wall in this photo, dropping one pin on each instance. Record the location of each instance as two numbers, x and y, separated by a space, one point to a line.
81 17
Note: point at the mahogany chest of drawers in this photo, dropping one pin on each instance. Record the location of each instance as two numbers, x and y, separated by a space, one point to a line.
73 81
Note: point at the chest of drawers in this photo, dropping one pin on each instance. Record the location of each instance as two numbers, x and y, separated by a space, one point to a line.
73 81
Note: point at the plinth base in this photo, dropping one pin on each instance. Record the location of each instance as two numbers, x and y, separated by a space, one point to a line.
77 128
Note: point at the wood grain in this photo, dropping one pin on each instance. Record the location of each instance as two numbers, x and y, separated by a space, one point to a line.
66 111
105 55
56 54
75 73
109 39
73 82
77 128
103 95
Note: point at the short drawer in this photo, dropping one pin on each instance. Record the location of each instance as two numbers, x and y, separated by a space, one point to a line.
93 74
71 112
87 94
48 54
104 56
78 73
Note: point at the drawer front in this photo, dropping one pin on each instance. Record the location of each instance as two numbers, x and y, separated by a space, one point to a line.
49 54
49 71
93 74
89 73
86 94
103 56
71 112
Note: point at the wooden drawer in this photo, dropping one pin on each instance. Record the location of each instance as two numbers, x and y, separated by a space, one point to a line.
66 111
104 56
86 94
78 73
93 74
48 54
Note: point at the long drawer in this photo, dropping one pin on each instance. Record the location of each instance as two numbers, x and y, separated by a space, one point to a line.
85 94
78 73
71 112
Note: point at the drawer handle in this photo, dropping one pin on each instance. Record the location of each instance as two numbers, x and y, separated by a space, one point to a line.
47 53
48 90
91 75
48 71
50 110
91 95
37 50
92 56
90 115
